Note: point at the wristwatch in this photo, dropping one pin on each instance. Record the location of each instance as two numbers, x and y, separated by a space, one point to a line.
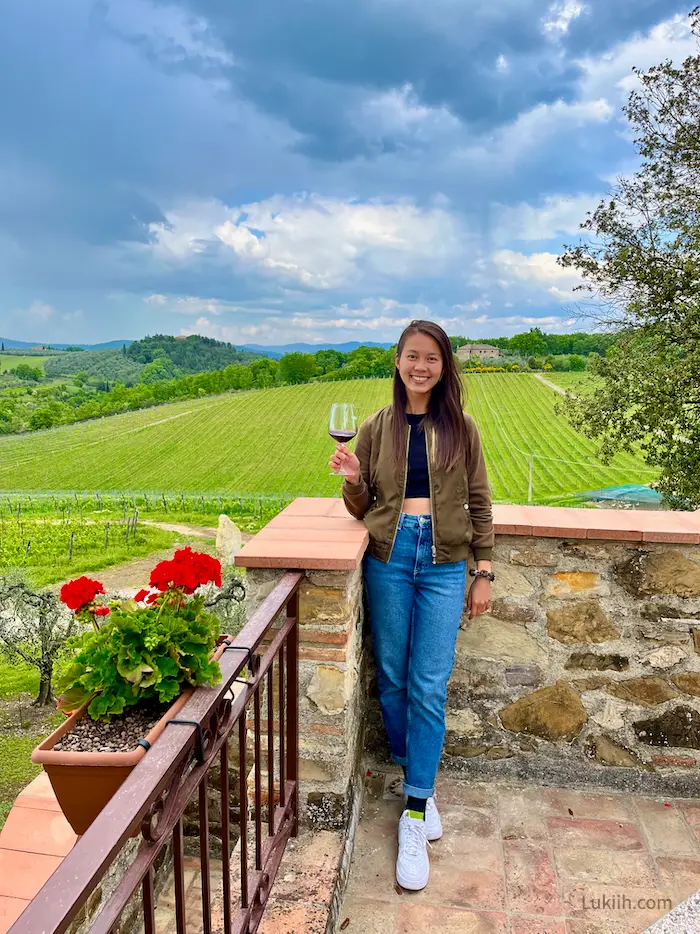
489 575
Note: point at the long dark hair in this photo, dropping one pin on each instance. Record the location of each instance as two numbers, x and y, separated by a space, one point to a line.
446 401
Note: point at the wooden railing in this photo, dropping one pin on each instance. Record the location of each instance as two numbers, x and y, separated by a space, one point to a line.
152 801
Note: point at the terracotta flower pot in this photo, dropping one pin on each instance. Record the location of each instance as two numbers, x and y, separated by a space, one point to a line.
85 781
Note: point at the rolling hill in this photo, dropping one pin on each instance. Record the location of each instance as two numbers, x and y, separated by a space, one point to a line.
276 441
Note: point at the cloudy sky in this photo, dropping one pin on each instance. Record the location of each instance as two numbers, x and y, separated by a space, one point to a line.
308 170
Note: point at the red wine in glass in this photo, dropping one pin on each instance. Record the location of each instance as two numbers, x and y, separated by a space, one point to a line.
342 436
342 426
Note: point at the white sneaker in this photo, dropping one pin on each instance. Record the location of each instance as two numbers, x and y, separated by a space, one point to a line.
412 865
433 824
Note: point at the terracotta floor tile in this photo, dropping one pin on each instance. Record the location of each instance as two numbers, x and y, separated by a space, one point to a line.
474 853
615 867
458 820
594 901
679 877
453 886
421 919
456 791
540 925
373 868
38 794
530 882
691 811
284 918
523 814
584 926
665 828
37 831
10 910
600 834
603 807
23 874
368 916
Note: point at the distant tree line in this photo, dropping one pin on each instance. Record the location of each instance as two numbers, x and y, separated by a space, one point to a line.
87 397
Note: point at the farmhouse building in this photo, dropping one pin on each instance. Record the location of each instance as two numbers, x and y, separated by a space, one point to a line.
483 351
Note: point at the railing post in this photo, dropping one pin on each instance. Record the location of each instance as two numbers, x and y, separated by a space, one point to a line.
292 656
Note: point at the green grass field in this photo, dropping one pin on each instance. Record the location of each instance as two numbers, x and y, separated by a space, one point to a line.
576 382
275 441
10 361
41 547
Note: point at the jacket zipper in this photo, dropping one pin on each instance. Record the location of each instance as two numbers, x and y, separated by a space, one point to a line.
403 495
430 485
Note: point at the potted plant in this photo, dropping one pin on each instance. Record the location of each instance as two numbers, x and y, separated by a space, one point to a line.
132 670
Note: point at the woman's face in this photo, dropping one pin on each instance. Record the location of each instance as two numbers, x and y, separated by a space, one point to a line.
420 363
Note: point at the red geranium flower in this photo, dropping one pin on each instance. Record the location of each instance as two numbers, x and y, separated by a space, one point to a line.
186 571
77 593
101 610
141 595
152 597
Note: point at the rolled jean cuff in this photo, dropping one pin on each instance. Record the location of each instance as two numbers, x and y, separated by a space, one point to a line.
400 760
415 792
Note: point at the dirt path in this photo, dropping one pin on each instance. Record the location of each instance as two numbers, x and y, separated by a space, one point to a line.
194 531
542 379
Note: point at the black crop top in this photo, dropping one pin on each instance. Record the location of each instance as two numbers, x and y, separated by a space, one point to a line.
418 481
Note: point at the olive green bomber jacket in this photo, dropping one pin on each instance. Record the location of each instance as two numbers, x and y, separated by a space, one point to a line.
461 498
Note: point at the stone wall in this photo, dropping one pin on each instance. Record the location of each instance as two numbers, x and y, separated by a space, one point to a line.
330 688
586 669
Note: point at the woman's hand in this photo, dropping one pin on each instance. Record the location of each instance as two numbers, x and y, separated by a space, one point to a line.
345 460
479 597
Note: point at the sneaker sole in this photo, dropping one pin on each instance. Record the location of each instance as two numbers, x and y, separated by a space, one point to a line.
412 886
433 837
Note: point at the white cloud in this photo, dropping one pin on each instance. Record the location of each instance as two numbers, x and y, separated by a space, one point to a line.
560 16
557 215
539 271
193 305
400 111
671 39
315 242
502 64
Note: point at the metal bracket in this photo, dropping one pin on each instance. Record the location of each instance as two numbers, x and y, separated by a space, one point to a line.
253 660
199 746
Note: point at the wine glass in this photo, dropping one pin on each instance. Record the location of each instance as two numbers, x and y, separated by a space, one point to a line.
342 427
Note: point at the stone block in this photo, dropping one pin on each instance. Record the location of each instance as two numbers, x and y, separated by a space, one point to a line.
573 583
495 639
499 752
666 632
688 682
318 604
582 622
326 810
590 661
228 540
696 640
463 723
327 689
659 611
465 751
664 572
609 717
510 582
479 678
529 675
553 713
607 752
590 684
513 612
664 657
666 761
645 691
534 558
679 727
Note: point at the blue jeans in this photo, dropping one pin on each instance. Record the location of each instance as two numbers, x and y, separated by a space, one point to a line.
415 608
